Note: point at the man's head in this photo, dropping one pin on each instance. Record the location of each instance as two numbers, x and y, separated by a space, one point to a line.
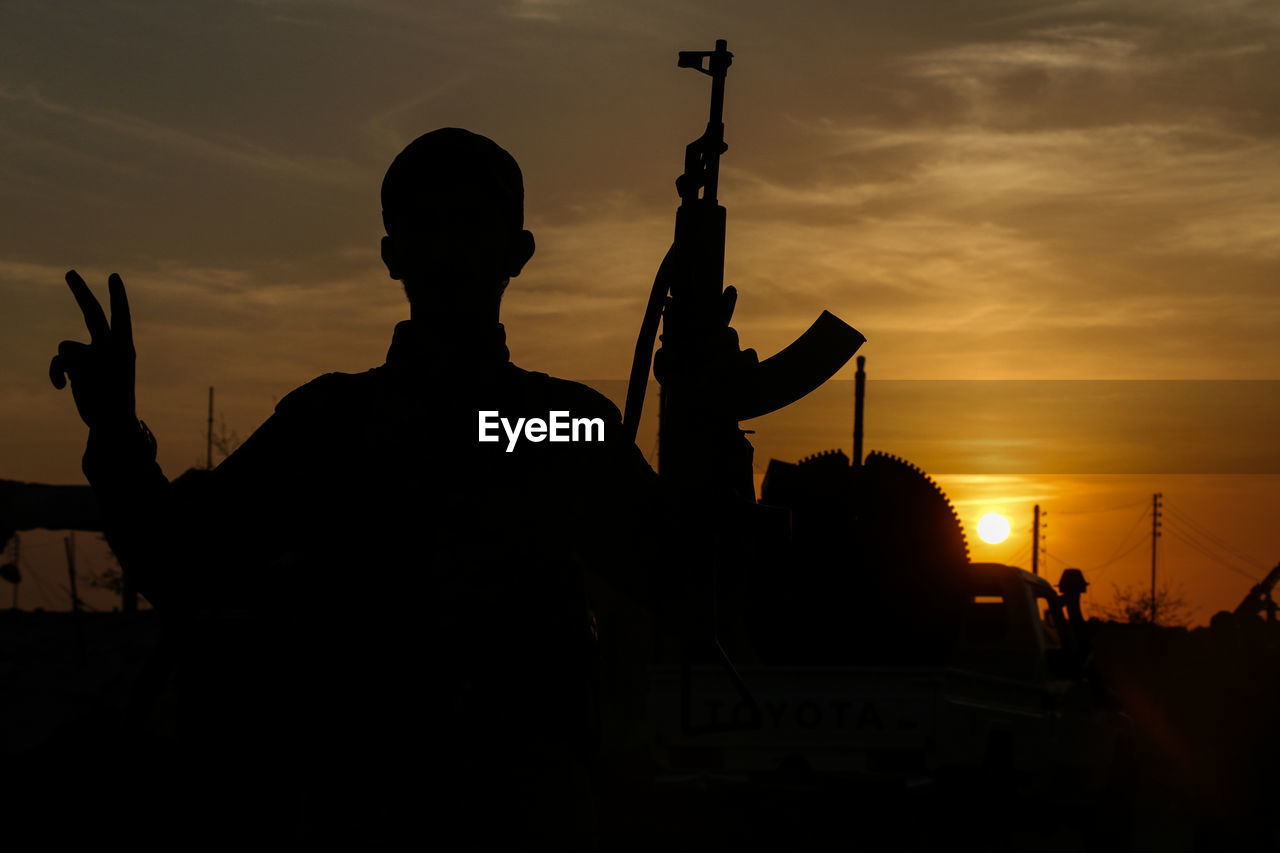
453 208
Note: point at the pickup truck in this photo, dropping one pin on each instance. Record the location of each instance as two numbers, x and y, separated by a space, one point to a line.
1010 698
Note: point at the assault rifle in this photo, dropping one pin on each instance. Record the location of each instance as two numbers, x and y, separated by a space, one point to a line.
708 384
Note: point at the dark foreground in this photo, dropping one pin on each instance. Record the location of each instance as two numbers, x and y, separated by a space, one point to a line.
90 750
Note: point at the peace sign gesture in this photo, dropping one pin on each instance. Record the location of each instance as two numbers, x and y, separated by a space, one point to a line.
101 371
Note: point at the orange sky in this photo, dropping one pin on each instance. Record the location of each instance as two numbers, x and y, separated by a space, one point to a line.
990 190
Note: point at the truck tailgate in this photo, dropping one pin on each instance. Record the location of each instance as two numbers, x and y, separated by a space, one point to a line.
833 717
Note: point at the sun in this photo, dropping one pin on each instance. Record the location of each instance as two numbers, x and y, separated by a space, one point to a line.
993 528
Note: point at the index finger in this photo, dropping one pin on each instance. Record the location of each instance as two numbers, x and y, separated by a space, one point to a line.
93 316
121 320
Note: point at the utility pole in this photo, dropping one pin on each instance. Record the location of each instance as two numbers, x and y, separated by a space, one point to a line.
1155 534
1044 533
209 447
859 396
1035 541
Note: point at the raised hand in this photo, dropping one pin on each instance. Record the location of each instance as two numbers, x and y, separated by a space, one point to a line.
101 371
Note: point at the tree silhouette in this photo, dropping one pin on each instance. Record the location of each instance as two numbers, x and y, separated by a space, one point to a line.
1132 605
224 442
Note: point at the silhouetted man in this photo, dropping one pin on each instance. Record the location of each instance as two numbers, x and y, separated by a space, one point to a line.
385 603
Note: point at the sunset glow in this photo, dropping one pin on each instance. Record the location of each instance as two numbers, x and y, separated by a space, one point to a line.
991 197
993 528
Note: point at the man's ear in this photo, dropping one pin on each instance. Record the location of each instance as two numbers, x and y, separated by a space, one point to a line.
391 257
521 252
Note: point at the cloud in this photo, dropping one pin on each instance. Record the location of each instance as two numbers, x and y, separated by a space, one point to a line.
1082 189
1101 46
239 153
538 10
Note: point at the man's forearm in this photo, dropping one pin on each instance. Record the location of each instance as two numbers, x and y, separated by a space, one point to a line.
120 464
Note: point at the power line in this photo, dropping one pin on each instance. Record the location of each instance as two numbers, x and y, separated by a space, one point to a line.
1019 557
1143 503
1102 567
1257 564
1120 552
1209 544
1188 536
1211 555
1220 543
1141 517
1026 551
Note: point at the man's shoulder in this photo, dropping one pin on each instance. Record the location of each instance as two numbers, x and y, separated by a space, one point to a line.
542 389
336 396
328 390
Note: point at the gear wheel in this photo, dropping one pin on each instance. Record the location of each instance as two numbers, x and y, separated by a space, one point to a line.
831 499
930 510
825 457
874 553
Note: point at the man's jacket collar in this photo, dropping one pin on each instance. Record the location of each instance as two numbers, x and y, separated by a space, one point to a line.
418 347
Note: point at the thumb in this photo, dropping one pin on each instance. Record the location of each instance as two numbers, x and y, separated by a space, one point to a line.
69 358
730 301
